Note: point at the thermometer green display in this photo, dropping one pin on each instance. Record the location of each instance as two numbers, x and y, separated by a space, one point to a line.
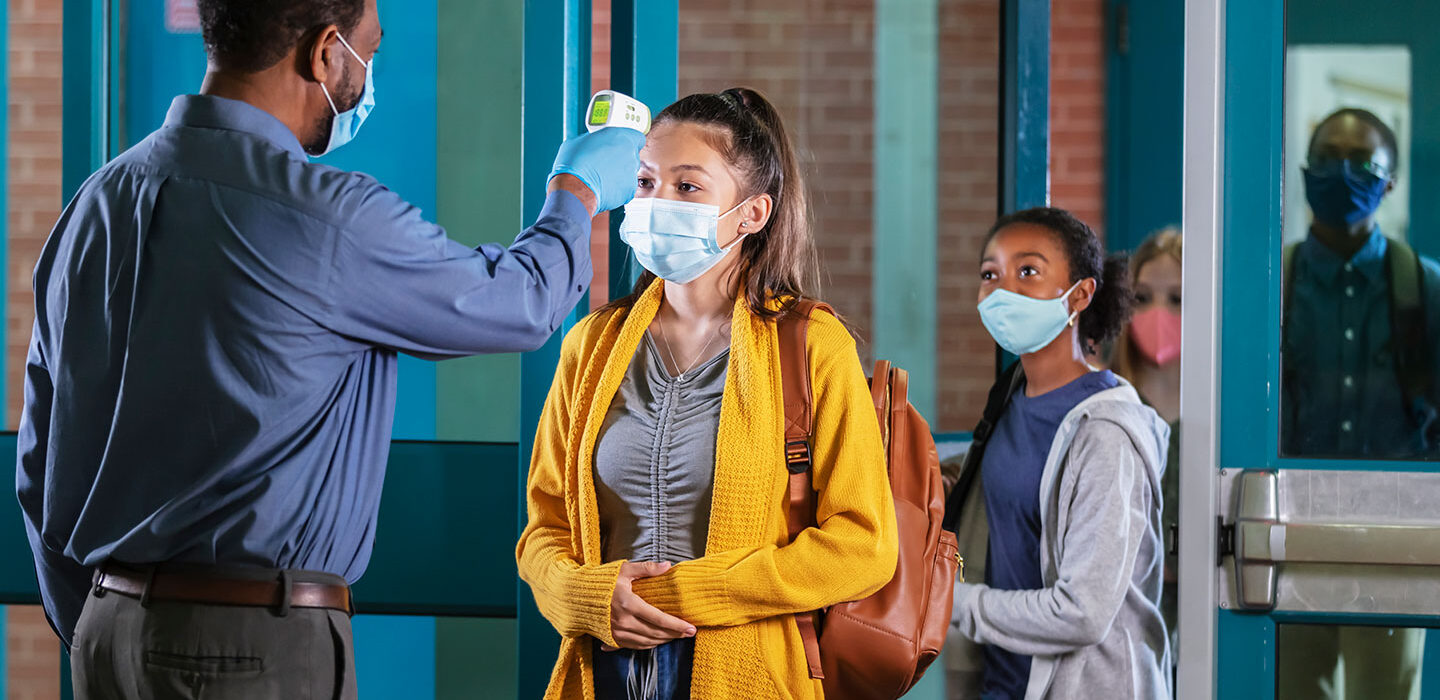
610 108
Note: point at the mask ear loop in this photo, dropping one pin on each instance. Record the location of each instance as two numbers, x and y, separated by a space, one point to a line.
742 236
1074 315
357 58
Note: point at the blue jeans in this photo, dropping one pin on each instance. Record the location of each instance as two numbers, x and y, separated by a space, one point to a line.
665 668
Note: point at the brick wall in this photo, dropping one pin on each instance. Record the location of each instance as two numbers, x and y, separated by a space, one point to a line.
815 60
969 194
32 656
33 162
1077 109
34 169
600 80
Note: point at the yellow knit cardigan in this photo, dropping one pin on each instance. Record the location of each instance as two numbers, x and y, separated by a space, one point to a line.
740 593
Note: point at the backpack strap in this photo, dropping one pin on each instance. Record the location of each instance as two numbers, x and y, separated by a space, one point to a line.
793 331
1287 279
995 405
1408 332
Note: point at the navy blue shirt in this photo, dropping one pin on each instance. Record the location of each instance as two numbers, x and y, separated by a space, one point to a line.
1341 397
212 372
1010 471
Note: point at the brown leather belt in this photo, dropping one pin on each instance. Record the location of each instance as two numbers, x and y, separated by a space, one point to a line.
187 587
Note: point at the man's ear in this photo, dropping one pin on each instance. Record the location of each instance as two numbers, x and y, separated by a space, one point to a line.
318 56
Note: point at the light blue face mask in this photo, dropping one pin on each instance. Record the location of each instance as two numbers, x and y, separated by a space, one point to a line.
347 124
678 241
1022 324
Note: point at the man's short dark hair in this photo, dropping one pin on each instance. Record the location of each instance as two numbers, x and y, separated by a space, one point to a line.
1387 135
249 36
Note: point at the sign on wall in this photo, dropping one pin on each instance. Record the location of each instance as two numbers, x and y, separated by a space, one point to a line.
182 17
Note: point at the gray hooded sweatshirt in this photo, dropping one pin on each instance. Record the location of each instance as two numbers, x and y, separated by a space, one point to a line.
1095 629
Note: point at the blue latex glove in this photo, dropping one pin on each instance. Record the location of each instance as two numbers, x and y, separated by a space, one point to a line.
606 161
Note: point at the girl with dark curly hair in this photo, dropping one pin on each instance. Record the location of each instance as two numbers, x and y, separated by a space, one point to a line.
1062 526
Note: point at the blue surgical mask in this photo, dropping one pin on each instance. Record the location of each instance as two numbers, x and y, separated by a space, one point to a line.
1341 194
1022 324
347 124
678 241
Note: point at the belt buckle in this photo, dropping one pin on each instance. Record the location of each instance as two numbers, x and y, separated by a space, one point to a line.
287 591
98 581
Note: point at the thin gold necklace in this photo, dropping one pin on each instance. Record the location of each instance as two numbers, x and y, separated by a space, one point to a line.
666 337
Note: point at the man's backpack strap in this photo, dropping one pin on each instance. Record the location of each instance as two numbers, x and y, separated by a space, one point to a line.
793 329
1408 331
995 405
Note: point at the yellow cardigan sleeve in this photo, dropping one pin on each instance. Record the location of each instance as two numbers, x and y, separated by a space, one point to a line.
574 597
852 552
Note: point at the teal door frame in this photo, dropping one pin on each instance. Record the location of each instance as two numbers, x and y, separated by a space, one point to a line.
555 76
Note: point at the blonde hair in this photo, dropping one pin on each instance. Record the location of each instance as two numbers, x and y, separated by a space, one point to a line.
1165 242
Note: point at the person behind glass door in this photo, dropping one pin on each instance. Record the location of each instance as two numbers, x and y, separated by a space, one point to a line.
1148 354
1346 390
657 542
1069 482
212 375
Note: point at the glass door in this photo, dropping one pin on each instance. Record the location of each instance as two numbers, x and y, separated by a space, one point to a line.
1311 467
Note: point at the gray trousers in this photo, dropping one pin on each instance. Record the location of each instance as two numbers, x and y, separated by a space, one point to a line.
184 651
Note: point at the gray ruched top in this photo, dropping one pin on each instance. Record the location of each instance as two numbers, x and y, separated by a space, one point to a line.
655 459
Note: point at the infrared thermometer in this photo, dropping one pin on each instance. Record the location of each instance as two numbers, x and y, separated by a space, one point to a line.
610 108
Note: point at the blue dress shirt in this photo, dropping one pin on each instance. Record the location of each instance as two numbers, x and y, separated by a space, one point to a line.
212 372
1341 397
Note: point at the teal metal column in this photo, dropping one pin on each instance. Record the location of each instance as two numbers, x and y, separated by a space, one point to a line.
1024 113
555 83
905 229
1144 118
644 57
1024 104
85 118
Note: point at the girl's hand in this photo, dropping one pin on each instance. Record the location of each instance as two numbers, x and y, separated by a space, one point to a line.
636 624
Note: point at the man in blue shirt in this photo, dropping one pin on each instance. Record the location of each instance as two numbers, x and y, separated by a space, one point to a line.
211 379
1355 385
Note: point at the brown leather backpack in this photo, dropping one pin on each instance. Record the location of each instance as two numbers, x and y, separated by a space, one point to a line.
876 648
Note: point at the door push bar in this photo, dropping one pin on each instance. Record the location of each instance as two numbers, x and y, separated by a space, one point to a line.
1259 541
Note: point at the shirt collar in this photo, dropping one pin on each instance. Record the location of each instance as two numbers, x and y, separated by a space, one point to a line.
210 112
1327 264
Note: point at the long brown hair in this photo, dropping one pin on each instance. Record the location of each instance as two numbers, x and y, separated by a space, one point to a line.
1164 242
779 261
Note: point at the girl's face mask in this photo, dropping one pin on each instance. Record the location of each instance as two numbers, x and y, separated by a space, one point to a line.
677 241
1022 324
1156 334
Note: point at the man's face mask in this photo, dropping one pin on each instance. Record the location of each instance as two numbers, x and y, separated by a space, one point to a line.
347 124
1343 194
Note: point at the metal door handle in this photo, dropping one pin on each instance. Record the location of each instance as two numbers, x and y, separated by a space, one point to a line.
1262 540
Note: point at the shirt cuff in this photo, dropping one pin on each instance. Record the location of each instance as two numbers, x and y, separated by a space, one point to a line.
563 205
962 618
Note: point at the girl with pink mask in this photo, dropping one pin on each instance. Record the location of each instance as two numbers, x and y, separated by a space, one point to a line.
1148 354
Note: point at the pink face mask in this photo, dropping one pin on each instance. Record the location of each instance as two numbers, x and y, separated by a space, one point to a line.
1156 334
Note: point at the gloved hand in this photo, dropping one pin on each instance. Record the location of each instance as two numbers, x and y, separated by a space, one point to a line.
606 161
